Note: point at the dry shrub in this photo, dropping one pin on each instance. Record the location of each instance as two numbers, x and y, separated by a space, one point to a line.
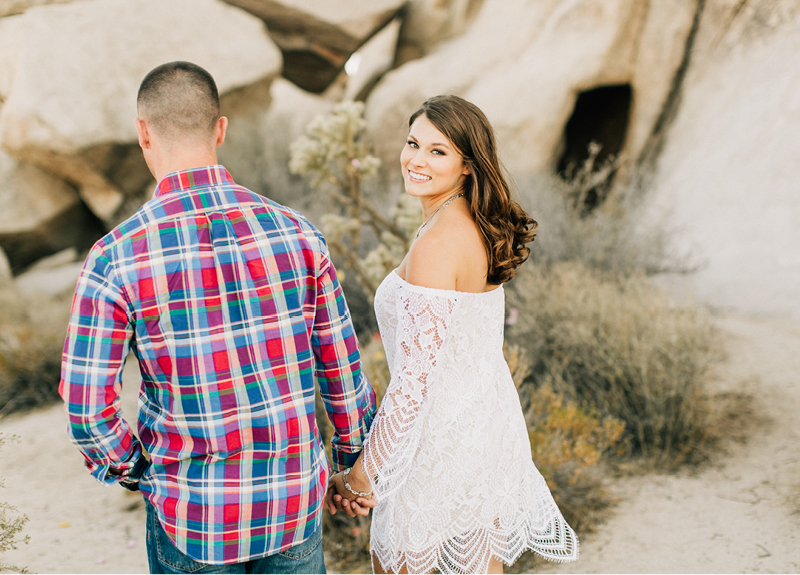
30 369
567 442
615 343
619 235
11 525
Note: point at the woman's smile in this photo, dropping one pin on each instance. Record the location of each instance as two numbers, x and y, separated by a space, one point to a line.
417 177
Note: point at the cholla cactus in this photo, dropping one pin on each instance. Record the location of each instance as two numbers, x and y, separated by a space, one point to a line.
333 152
390 250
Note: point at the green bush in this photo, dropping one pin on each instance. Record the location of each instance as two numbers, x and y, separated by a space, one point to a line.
616 344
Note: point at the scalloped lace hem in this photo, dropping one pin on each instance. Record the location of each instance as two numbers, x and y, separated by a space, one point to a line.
472 553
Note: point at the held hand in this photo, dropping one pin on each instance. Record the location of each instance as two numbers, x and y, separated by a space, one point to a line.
339 498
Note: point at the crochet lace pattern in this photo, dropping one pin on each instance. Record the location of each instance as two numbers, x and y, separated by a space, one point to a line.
449 453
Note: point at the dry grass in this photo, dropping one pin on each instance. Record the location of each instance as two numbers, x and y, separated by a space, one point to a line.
617 344
30 369
617 236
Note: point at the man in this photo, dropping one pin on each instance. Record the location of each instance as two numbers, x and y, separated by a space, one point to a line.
231 305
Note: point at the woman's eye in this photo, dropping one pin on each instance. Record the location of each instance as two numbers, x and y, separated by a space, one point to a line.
438 152
412 144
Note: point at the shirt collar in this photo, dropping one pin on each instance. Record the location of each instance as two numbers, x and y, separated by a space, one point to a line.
194 178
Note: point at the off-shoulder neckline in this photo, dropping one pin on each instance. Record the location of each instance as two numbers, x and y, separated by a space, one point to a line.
446 291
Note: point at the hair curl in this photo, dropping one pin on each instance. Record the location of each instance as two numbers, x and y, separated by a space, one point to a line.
506 227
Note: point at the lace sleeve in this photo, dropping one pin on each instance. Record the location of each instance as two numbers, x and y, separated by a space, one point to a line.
420 333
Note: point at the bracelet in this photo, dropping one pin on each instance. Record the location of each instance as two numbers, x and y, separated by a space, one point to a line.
350 489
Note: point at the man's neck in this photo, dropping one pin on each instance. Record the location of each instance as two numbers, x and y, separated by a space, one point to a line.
181 161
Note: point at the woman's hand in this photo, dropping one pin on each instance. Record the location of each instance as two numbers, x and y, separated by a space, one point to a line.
339 498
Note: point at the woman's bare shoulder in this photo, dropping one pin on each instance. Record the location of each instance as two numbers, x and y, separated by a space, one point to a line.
429 263
446 254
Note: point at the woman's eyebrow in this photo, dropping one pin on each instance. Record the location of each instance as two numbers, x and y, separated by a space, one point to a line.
433 144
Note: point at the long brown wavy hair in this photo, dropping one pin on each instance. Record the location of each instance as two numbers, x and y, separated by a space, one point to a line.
506 227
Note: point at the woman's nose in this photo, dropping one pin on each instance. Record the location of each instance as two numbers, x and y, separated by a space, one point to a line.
418 159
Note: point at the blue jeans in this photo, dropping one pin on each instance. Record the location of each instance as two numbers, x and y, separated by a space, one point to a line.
164 557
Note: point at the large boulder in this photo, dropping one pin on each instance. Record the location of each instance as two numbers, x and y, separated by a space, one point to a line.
371 62
5 269
40 214
51 276
318 36
525 64
727 177
428 23
69 76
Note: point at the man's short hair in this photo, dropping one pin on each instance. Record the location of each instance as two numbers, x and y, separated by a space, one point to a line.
180 100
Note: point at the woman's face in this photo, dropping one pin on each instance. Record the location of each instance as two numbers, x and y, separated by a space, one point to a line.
431 165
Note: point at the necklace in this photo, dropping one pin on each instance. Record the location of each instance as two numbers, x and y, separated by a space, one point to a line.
458 195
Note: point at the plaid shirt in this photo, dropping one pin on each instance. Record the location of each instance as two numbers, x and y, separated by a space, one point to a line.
232 307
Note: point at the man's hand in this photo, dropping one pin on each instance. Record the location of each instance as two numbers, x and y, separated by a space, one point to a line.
338 498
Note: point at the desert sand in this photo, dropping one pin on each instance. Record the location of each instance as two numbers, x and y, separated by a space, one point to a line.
739 513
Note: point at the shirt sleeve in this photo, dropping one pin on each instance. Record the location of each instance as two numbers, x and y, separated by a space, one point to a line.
423 325
347 395
98 339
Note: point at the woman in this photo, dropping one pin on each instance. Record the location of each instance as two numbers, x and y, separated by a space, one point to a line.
448 457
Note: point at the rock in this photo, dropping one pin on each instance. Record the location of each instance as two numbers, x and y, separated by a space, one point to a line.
374 59
256 150
318 36
428 23
40 214
658 56
727 176
11 7
524 64
5 268
71 79
62 258
55 278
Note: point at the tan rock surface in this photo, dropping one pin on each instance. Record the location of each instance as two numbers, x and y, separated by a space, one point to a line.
318 36
375 58
40 213
70 85
51 276
30 196
428 23
11 7
727 175
5 269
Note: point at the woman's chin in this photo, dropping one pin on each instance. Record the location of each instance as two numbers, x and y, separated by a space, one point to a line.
417 189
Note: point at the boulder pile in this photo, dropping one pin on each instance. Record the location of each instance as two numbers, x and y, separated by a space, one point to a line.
674 88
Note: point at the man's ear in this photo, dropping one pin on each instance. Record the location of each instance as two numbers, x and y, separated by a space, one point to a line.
220 130
144 134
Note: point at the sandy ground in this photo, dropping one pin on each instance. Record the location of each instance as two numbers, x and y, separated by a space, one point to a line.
738 514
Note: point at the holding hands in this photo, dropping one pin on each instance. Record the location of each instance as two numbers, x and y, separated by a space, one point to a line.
350 491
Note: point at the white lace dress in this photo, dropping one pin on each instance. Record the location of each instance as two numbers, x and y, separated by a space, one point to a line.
449 448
